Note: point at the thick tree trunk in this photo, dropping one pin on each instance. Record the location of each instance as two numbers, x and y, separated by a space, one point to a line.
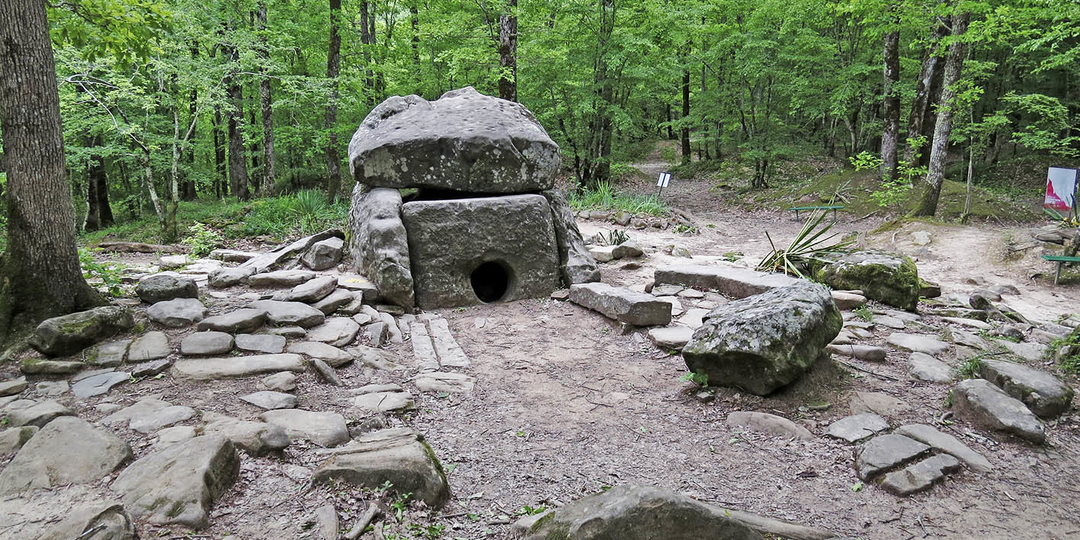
684 133
890 137
238 172
333 66
39 273
414 21
219 155
926 92
95 175
367 38
508 52
939 148
266 101
187 187
105 215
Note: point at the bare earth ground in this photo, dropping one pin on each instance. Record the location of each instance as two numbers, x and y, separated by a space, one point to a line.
565 406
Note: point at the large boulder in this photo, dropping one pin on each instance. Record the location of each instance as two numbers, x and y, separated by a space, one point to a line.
766 341
890 278
463 141
323 255
379 245
68 450
982 403
1043 393
575 262
69 334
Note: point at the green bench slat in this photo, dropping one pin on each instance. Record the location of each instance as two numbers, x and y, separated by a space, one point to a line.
816 208
1060 260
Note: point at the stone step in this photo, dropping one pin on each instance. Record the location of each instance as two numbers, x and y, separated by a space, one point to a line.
623 305
730 281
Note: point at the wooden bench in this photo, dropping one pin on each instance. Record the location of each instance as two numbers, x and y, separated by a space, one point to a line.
834 208
1060 260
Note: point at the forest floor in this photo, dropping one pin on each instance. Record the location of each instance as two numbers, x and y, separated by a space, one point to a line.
564 406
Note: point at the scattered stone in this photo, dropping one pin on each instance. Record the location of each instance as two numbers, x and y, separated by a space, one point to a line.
229 277
280 382
858 427
370 356
1005 289
109 521
12 386
172 435
877 403
354 306
206 343
671 338
926 368
67 450
172 262
627 249
692 294
694 318
323 428
280 278
326 522
328 353
359 284
984 404
162 287
40 366
149 346
602 254
52 388
271 400
399 456
886 452
920 476
454 383
843 338
890 278
242 366
1043 393
36 414
337 331
929 289
379 243
946 443
382 398
180 483
309 291
69 334
377 333
323 255
868 353
768 423
177 313
325 372
847 301
889 322
289 313
99 384
265 261
1032 352
149 369
241 320
149 415
232 255
393 332
337 300
918 343
763 342
921 238
289 332
12 439
621 304
978 325
255 438
730 281
260 343
450 353
109 354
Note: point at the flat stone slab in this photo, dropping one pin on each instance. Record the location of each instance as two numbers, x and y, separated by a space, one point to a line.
970 323
280 278
289 313
149 415
310 291
868 353
255 438
36 414
920 476
241 320
889 322
99 384
149 369
946 443
423 348
260 343
847 301
40 366
454 383
398 456
337 331
206 343
926 368
229 277
177 313
12 439
877 403
180 483
338 300
327 353
322 428
730 281
447 348
279 382
623 305
857 427
671 338
110 354
271 400
984 404
355 282
886 452
232 255
1043 393
12 386
1032 352
149 346
918 343
67 450
240 366
768 423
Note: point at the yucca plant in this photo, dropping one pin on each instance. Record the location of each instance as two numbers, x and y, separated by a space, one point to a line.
809 245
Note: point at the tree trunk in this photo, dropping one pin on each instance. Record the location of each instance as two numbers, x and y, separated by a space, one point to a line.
684 132
939 148
367 38
508 52
105 215
219 155
266 101
926 91
39 273
333 66
187 187
238 173
890 137
95 172
414 20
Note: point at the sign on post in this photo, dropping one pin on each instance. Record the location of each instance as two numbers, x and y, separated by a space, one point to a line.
1060 189
662 182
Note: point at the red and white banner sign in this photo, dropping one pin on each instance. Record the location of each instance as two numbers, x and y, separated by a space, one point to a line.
1060 188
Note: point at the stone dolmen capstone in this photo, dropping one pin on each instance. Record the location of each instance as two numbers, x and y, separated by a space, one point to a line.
484 225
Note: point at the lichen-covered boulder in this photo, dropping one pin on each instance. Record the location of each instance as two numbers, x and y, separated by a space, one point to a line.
463 141
379 244
766 341
69 334
890 278
575 261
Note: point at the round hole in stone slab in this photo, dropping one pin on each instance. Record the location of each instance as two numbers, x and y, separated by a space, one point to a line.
490 281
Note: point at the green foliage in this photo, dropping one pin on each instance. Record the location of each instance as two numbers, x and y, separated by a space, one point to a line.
864 313
970 368
605 197
203 240
1067 351
699 378
615 237
108 273
808 247
527 510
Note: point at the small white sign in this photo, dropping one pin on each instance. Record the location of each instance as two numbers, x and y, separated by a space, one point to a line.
664 180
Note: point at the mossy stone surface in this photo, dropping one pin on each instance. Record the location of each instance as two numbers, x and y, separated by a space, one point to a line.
890 278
